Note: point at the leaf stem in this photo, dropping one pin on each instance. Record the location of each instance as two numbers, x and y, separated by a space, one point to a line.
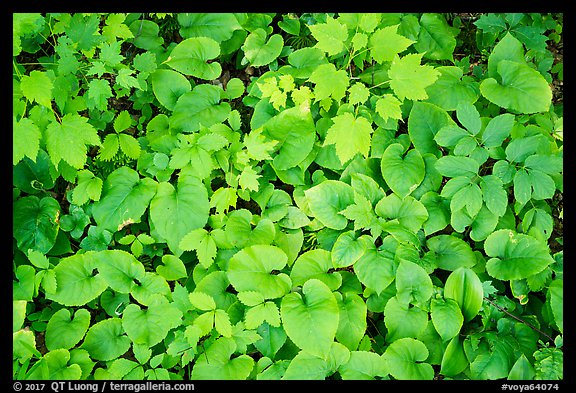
518 319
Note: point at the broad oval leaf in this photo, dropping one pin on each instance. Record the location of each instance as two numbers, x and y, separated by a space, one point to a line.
451 252
352 324
405 359
348 248
446 317
35 223
454 360
409 212
403 320
521 88
363 365
424 121
64 332
217 26
199 107
77 282
260 49
168 86
311 319
402 172
327 199
119 269
106 340
413 284
125 198
375 269
190 57
250 269
170 205
515 256
315 264
150 326
464 286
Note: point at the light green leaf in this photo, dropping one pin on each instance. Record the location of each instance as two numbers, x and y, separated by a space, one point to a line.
125 198
199 107
327 199
89 187
405 359
352 325
409 79
172 268
363 365
454 360
120 269
250 269
315 264
69 140
150 326
37 87
497 129
76 282
331 36
402 172
311 319
168 86
329 82
520 88
522 370
218 26
260 51
385 43
413 284
424 121
438 212
350 135
451 88
515 256
453 166
375 269
106 340
348 248
409 212
494 194
403 321
25 139
451 252
464 286
64 332
191 57
446 317
436 38
388 107
35 223
189 199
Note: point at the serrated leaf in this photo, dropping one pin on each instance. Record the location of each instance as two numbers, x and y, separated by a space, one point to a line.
69 140
89 188
350 135
388 107
37 87
330 36
386 43
329 82
25 140
409 79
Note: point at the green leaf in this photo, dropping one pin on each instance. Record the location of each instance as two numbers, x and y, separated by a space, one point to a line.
76 282
35 223
120 269
150 326
402 172
436 38
168 86
515 256
24 287
217 363
555 296
385 43
18 314
464 286
363 365
424 121
330 36
315 264
191 57
125 198
106 340
57 363
28 175
311 319
348 248
189 199
351 135
25 140
250 269
217 26
388 107
409 79
451 88
453 166
438 212
405 359
172 268
37 87
64 332
89 187
549 364
451 252
494 194
469 197
69 140
327 199
413 285
454 360
375 269
446 317
497 130
521 88
409 212
522 370
329 82
352 325
403 320
508 48
199 107
260 51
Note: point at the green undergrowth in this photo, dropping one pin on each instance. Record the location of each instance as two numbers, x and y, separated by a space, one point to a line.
287 196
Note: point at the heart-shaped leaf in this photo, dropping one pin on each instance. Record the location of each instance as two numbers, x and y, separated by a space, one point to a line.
64 332
403 172
191 56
